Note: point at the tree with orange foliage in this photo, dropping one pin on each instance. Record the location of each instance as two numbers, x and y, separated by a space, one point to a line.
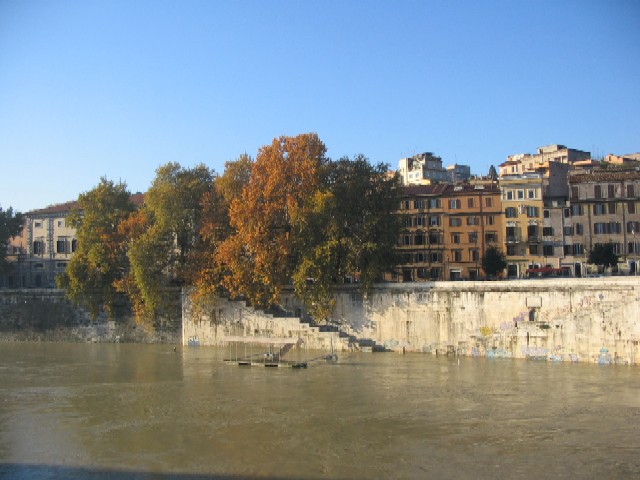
261 255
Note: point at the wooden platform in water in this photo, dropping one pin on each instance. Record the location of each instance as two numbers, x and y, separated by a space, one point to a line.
254 362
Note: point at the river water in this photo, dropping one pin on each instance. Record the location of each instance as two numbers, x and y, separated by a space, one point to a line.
147 411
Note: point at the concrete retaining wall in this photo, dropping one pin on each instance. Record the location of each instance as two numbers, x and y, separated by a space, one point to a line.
592 320
46 315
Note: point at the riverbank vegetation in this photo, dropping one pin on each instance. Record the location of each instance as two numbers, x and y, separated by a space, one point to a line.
292 216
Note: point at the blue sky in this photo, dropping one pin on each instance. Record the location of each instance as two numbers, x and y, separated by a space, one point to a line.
117 88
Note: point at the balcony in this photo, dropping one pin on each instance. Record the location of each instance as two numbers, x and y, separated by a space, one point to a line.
512 239
534 239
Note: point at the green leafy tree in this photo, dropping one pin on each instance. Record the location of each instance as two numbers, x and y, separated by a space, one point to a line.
494 262
604 255
164 239
350 231
10 226
100 259
235 177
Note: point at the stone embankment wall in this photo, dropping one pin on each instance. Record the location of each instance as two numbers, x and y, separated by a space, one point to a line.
46 315
586 320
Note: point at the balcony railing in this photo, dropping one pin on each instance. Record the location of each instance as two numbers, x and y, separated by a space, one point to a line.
513 239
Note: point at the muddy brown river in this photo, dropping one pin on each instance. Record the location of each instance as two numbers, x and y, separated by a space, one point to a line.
146 411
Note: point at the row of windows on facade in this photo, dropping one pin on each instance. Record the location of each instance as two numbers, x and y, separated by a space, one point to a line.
437 238
39 224
63 246
435 203
473 255
436 221
514 212
604 191
530 211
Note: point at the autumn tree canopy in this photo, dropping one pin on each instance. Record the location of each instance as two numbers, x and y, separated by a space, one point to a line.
260 256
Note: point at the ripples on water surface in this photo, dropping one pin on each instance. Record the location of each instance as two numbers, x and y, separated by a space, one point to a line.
141 411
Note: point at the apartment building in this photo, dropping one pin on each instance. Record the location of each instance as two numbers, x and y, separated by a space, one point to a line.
422 169
446 230
604 209
45 246
43 249
522 163
521 197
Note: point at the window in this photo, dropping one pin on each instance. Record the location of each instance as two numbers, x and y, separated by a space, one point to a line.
74 245
488 202
531 193
456 255
434 203
62 246
435 257
434 273
630 192
419 222
454 204
576 210
548 231
474 255
532 232
509 195
578 249
434 221
547 250
510 212
38 247
473 237
598 209
38 266
61 223
37 225
491 237
417 204
455 221
633 227
611 191
568 231
579 229
520 194
406 205
615 227
597 191
612 209
631 207
532 212
545 213
422 273
406 221
470 203
511 250
435 239
533 249
406 240
455 238
574 193
418 239
599 228
490 220
472 221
